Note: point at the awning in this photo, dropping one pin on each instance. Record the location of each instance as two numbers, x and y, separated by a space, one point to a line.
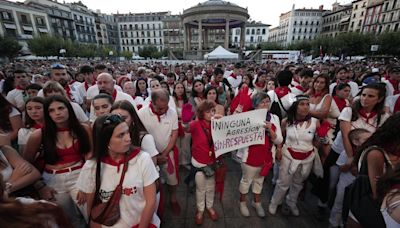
345 19
27 28
10 26
43 30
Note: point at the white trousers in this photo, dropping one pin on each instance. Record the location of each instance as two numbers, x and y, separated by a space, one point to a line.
336 213
251 177
205 191
64 185
171 177
292 182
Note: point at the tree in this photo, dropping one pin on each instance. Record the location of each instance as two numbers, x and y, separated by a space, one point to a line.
46 45
270 46
388 43
126 54
150 52
9 47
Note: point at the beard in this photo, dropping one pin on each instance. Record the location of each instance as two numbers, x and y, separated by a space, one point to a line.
63 82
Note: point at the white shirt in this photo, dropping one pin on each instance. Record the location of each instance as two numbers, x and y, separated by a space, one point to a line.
286 100
389 87
79 113
75 97
300 137
160 130
390 102
235 82
119 97
16 97
346 177
148 145
345 115
23 135
353 86
7 171
141 173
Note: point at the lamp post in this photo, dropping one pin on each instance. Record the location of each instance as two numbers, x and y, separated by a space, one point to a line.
62 52
110 54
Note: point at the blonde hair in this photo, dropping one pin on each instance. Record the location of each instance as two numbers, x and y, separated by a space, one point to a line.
52 86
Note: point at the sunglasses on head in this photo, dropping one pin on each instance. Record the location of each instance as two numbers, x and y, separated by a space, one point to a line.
58 66
113 119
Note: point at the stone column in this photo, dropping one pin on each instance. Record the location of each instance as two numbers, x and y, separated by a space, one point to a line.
242 36
189 41
206 38
200 31
185 36
226 44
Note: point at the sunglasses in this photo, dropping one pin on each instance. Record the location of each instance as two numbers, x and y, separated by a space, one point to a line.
113 119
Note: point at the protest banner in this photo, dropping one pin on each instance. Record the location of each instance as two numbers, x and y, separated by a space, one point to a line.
237 131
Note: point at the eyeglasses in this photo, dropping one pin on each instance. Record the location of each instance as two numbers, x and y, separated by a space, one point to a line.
113 119
58 66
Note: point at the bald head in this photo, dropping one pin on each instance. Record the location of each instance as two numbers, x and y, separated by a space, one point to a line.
105 82
160 99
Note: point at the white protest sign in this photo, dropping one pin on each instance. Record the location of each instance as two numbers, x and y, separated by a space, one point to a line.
237 131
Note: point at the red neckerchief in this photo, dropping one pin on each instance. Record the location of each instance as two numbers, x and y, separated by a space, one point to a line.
189 82
395 85
296 80
171 83
282 91
179 98
133 97
395 186
342 82
318 94
154 112
233 76
63 129
214 84
363 114
301 88
19 88
87 85
340 102
67 89
108 160
114 94
397 105
260 85
38 126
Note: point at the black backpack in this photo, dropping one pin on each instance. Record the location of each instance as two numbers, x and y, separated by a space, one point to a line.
358 197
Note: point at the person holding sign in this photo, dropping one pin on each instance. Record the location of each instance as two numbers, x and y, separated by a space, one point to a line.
257 159
298 155
203 157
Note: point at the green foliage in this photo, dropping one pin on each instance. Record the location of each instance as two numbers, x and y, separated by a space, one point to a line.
151 52
51 45
9 47
389 43
270 46
126 54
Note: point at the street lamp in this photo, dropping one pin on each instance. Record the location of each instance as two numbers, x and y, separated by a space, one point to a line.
62 52
110 54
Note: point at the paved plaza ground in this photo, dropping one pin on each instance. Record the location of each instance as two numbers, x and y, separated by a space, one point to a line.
228 209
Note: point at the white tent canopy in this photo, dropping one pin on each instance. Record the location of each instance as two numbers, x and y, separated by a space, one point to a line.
221 53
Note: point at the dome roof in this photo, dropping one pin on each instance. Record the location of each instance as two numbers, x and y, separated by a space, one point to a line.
216 3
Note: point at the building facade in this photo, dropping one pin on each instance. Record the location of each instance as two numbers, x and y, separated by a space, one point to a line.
273 34
337 20
173 33
357 18
256 33
85 25
60 17
140 30
22 22
299 24
382 16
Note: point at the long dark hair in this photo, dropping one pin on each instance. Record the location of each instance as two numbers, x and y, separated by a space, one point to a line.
386 137
138 93
50 130
184 96
194 93
5 110
29 122
137 128
208 89
327 83
386 182
379 107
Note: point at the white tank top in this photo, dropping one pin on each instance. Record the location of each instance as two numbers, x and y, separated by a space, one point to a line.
314 107
6 172
300 137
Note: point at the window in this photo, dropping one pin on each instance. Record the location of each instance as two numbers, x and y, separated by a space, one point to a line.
160 41
24 19
294 30
306 22
131 41
130 27
295 22
247 31
237 31
136 27
305 30
148 41
263 31
138 41
252 32
251 39
301 22
236 39
155 41
148 26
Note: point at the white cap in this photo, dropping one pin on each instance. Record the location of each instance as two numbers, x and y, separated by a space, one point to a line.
375 70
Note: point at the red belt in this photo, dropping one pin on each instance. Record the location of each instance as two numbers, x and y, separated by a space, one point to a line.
66 170
299 155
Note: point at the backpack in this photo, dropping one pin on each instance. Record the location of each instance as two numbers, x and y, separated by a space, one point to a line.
358 196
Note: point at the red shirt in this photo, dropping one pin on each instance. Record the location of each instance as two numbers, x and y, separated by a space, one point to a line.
200 143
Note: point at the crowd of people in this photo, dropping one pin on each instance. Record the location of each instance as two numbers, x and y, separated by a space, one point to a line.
99 143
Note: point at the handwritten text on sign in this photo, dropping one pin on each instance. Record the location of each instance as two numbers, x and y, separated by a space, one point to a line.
237 131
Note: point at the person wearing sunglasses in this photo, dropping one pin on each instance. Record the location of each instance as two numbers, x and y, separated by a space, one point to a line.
113 150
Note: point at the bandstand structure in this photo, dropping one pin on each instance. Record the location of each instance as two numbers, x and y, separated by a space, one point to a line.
214 17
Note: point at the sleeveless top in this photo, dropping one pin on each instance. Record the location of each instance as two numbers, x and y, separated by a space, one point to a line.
299 137
314 107
390 222
70 154
7 171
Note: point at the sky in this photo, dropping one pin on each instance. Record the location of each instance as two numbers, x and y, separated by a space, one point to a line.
266 11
